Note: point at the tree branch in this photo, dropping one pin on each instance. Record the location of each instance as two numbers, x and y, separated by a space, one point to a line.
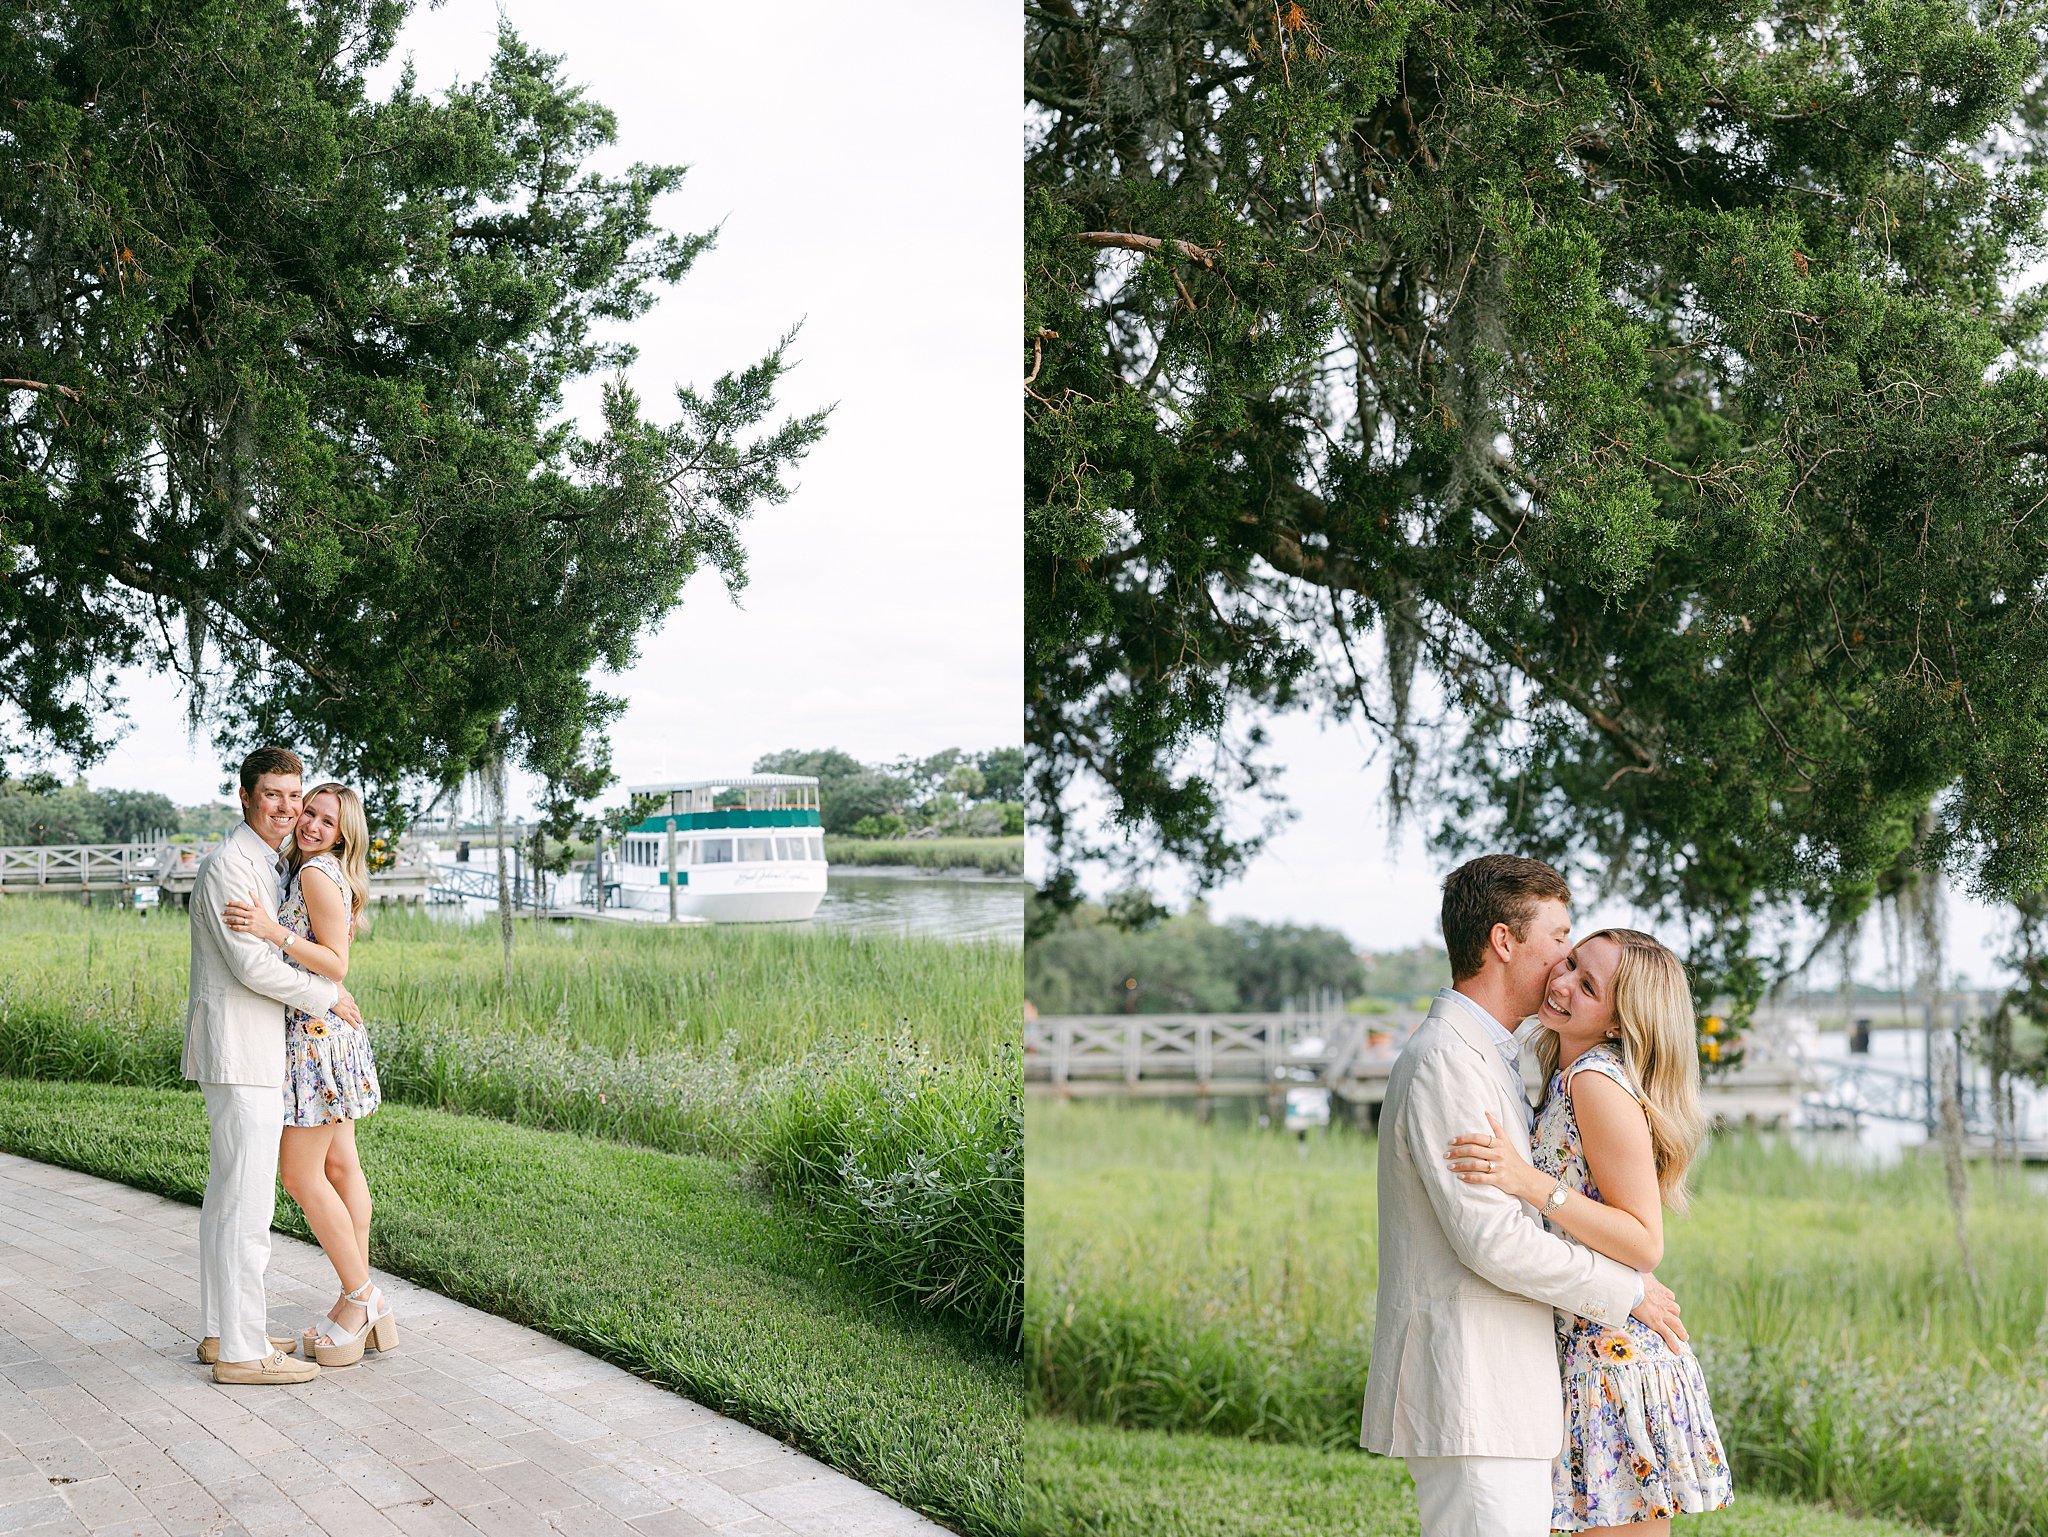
36 384
1117 240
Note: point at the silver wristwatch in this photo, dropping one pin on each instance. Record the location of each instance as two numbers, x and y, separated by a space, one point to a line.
1556 1198
289 937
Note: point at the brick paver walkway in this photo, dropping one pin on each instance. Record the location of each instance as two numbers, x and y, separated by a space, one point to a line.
109 1425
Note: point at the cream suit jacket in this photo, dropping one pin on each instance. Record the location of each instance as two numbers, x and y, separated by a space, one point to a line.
1464 1353
234 1024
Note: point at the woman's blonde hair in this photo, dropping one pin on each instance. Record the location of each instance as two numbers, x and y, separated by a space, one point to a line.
351 848
1660 1049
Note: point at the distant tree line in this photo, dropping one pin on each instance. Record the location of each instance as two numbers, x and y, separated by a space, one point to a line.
1406 975
43 810
953 793
1088 960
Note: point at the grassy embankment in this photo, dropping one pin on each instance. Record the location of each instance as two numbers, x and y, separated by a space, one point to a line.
871 1082
873 1079
1219 1278
668 1264
990 856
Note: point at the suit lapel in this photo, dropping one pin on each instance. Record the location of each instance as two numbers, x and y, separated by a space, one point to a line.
1474 1035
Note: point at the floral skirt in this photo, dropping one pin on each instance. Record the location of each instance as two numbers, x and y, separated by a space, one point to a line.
329 1074
1642 1443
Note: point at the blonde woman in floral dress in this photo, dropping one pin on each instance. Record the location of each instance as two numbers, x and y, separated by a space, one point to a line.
331 1080
1619 1126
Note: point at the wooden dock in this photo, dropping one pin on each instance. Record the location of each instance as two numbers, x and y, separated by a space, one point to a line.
170 869
1202 1056
78 867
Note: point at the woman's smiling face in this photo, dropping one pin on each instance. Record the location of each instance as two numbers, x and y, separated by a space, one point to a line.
1578 1002
319 824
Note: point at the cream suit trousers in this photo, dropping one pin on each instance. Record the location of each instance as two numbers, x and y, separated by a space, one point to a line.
234 1220
1483 1496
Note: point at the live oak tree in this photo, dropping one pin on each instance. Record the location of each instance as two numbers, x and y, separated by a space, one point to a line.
283 365
1659 381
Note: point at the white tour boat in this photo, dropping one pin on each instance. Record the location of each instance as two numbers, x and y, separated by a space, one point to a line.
761 860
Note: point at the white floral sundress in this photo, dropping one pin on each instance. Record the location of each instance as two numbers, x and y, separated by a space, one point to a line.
329 1072
1642 1442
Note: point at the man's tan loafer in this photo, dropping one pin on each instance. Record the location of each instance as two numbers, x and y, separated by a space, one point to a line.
275 1368
209 1348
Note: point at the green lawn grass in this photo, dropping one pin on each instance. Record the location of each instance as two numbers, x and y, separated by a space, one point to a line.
1087 1481
669 1265
991 856
1220 1277
870 1078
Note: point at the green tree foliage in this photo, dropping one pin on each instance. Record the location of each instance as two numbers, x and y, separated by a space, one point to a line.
1002 773
128 816
826 765
952 791
283 398
1417 972
857 797
209 821
1655 379
38 810
1084 961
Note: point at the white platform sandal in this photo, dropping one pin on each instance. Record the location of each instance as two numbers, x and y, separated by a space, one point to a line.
379 1330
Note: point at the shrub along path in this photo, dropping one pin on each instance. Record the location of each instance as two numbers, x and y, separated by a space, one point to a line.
472 1425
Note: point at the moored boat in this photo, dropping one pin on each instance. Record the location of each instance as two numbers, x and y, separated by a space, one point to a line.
757 858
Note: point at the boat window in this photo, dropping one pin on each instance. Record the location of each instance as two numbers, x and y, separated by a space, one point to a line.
756 849
817 849
715 851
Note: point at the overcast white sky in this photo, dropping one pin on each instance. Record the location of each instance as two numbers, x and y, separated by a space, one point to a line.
863 162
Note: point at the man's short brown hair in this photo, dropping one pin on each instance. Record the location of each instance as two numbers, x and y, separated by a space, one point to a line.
269 760
1494 888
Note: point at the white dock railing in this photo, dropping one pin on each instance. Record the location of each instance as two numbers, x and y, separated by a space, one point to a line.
78 866
1211 1052
64 868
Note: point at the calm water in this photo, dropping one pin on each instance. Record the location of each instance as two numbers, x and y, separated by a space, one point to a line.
955 909
884 904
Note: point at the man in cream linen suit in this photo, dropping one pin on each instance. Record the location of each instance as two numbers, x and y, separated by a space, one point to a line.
1464 1380
234 1047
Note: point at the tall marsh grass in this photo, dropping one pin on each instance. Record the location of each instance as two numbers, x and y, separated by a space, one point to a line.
1220 1278
869 1082
777 990
990 856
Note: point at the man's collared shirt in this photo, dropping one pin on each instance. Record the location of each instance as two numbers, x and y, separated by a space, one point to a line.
1505 1043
